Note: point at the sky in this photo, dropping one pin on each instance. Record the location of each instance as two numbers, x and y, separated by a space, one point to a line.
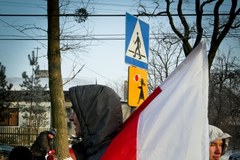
103 60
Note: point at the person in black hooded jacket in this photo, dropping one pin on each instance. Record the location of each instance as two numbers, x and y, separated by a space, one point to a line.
98 118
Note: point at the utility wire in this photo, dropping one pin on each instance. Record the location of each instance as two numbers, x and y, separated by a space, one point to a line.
30 37
104 38
110 15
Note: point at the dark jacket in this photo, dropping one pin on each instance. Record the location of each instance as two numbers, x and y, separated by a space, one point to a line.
42 144
99 112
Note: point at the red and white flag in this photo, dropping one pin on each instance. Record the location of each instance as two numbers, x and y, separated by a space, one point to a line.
172 123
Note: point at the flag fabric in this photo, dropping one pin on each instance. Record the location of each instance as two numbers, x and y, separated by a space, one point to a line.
172 123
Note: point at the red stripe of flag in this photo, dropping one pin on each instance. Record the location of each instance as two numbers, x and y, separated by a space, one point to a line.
125 143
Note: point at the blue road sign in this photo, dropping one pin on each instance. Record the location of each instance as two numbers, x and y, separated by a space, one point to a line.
137 42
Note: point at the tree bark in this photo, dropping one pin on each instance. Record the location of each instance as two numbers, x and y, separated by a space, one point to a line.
55 81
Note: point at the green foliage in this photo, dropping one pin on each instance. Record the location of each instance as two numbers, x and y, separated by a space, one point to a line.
34 111
4 87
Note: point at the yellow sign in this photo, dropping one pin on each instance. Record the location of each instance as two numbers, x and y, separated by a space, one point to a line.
137 86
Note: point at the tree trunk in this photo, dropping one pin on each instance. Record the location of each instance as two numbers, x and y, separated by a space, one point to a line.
55 81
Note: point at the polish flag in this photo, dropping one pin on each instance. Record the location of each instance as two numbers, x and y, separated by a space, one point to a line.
172 123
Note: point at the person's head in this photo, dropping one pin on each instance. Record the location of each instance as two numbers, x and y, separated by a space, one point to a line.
97 114
73 118
43 143
52 133
20 153
218 142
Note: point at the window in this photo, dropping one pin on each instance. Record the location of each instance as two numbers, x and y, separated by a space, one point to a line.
10 117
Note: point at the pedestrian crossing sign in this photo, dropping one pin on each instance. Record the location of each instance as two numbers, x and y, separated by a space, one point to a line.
137 42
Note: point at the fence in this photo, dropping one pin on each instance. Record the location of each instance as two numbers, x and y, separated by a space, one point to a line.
19 136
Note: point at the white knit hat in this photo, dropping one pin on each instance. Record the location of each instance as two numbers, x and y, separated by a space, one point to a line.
216 133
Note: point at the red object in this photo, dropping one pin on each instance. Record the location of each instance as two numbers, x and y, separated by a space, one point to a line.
51 151
51 155
136 77
72 154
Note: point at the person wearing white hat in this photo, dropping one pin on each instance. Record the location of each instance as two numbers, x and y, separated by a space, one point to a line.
218 142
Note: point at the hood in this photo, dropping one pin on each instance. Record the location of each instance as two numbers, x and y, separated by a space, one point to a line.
216 133
99 112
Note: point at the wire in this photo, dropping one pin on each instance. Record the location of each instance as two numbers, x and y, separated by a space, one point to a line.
110 15
101 37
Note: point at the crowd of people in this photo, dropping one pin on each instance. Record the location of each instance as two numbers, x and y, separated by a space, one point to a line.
97 116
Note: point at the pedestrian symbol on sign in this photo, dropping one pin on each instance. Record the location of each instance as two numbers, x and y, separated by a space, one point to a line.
137 51
141 94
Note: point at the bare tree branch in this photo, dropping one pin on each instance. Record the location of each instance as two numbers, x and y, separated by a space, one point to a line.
186 46
218 36
184 21
73 76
